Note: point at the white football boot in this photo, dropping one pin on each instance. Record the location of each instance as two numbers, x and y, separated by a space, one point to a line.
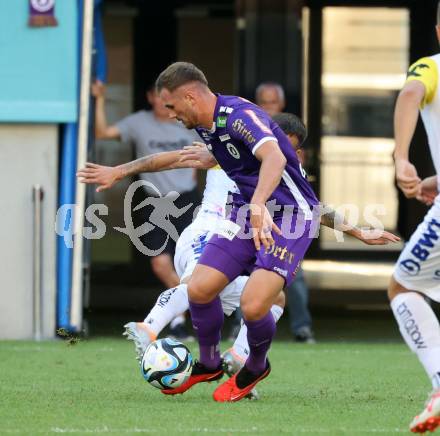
139 334
232 363
429 419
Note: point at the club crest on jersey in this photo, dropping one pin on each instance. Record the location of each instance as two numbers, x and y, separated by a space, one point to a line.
233 150
240 127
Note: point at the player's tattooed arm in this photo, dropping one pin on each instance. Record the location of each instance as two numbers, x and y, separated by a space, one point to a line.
332 219
169 160
196 156
105 177
149 164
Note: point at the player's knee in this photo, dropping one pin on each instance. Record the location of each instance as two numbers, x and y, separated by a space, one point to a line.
253 310
162 265
395 288
281 299
197 292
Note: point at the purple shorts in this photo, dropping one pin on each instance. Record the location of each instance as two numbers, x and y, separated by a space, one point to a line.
232 250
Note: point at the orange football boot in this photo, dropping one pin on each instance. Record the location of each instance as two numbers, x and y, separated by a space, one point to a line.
239 385
199 374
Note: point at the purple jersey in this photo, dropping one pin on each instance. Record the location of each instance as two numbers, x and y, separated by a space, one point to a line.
239 128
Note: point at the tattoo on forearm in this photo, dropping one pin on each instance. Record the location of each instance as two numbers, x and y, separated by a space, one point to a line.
330 218
141 165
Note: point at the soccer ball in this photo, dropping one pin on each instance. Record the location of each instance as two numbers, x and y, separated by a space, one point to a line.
166 364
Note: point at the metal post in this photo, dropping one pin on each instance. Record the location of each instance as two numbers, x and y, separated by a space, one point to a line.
76 299
37 198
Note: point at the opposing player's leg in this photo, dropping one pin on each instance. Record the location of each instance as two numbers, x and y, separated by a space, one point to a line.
421 331
168 306
240 349
174 301
417 275
207 317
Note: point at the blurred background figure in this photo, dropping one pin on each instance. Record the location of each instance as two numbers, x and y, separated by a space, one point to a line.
270 96
151 131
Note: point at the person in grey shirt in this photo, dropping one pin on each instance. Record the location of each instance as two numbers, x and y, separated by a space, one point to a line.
152 132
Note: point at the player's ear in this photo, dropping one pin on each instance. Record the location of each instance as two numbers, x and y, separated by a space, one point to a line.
437 28
190 98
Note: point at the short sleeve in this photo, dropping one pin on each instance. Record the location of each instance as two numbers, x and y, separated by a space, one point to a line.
425 71
250 128
125 127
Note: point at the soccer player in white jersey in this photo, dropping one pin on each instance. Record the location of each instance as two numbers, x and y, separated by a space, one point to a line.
189 246
417 271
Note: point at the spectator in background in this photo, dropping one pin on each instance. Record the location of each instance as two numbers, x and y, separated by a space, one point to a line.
152 132
270 96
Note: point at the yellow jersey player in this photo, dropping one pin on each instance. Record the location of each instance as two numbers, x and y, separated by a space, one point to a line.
417 271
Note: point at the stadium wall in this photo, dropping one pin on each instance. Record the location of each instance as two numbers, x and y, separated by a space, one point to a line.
31 155
38 92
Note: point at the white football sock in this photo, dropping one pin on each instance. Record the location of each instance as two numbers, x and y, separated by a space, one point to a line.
421 330
179 319
241 347
169 305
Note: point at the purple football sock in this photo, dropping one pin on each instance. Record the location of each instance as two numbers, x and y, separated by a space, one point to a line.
260 335
207 320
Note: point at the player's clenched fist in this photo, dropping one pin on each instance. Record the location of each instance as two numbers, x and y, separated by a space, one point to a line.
407 178
428 190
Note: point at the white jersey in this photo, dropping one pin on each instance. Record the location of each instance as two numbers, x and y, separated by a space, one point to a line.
194 238
418 267
215 198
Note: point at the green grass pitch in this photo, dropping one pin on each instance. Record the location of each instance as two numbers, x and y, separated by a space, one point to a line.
95 386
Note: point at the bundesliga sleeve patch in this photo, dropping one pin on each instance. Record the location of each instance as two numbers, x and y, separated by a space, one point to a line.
424 71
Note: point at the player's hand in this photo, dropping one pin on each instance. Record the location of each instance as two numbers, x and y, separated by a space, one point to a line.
262 226
428 190
376 237
100 175
198 156
407 178
98 89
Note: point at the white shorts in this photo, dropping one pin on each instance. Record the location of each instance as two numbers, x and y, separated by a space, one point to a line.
418 266
189 248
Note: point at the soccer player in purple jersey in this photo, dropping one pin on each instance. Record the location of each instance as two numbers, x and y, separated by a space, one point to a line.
258 157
